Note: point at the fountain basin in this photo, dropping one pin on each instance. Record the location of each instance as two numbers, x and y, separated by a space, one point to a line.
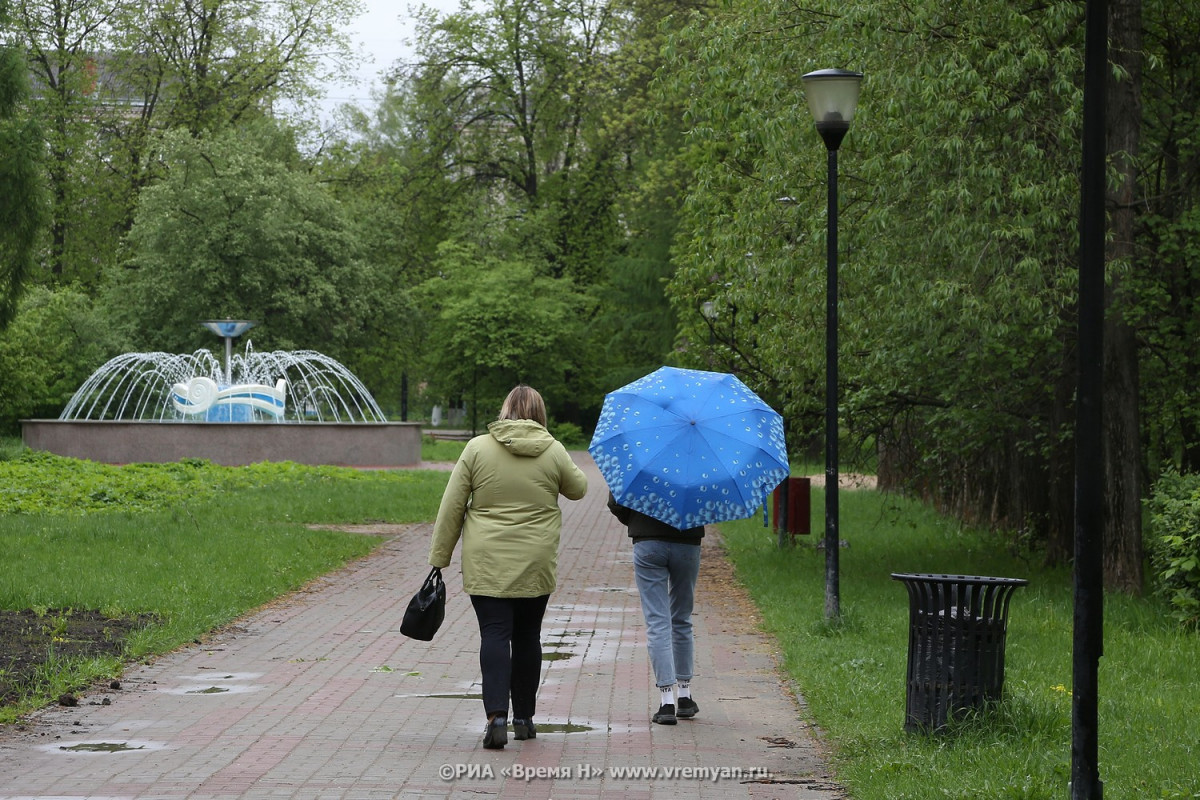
233 444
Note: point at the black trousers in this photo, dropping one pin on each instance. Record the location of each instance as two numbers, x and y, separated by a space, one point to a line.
510 652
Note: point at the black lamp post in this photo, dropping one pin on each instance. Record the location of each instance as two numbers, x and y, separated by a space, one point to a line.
832 98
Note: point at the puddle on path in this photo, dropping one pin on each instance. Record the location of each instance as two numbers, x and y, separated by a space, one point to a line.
220 676
570 727
100 747
210 689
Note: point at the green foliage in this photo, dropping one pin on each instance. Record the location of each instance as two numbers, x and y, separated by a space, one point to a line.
236 231
39 483
500 323
570 434
517 139
852 674
112 74
957 254
55 342
1162 285
22 200
10 447
1174 544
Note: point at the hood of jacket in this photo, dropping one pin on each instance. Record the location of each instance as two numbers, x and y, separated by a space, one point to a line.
521 437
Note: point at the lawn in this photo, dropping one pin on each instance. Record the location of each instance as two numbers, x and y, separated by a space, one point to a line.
101 564
852 673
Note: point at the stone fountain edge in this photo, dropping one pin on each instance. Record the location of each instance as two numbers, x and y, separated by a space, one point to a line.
351 444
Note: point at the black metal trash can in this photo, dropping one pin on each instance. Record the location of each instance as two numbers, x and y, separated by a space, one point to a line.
956 636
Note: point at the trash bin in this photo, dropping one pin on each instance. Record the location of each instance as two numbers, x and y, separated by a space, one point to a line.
957 630
799 506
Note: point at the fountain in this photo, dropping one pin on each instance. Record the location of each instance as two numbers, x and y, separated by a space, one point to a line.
298 406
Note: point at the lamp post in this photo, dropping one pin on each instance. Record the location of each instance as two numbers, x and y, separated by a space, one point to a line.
708 310
832 98
1088 635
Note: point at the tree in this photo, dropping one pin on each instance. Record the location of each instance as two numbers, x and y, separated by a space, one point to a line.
207 64
66 42
1163 286
498 323
22 209
959 199
516 94
56 341
234 230
517 135
1122 425
111 74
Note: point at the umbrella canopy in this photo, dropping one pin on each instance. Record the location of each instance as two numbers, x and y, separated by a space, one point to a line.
689 447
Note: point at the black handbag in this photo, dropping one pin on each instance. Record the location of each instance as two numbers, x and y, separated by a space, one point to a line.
427 608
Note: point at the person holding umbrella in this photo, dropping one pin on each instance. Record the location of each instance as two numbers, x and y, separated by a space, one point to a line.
666 565
502 501
681 449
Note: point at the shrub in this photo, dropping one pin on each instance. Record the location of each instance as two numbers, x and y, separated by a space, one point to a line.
570 434
1175 544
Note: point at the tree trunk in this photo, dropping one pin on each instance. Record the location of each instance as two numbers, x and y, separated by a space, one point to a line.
1122 443
1060 470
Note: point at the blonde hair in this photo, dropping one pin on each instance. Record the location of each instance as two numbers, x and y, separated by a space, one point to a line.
524 403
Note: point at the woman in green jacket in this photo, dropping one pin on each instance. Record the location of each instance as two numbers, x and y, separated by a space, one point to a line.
502 501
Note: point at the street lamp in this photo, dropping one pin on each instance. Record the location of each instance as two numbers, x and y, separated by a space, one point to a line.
832 98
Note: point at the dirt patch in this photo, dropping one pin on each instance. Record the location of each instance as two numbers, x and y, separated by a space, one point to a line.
385 529
846 480
718 587
30 640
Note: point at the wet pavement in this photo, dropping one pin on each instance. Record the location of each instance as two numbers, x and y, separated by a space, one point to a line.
319 696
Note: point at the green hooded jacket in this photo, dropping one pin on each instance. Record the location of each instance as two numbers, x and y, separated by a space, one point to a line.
502 501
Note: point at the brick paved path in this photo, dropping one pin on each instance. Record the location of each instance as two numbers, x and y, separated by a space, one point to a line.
320 696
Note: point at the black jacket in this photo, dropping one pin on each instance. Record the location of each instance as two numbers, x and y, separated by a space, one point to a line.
642 527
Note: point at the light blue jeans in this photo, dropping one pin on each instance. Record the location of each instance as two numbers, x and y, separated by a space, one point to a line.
666 575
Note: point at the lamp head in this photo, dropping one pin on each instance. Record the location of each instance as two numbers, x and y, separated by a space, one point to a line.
832 96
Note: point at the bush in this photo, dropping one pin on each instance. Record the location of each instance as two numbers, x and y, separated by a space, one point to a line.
53 345
570 434
1175 544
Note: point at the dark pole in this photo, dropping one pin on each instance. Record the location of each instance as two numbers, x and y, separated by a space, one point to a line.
404 396
1089 470
832 99
832 542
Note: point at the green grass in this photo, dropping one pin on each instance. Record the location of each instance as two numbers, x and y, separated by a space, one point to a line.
193 544
440 449
851 673
10 447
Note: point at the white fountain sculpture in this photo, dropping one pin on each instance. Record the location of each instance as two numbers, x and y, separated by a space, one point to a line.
235 403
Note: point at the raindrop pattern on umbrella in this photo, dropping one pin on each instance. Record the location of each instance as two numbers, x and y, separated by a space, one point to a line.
689 447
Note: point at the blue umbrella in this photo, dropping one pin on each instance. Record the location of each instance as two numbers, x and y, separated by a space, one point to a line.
689 447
